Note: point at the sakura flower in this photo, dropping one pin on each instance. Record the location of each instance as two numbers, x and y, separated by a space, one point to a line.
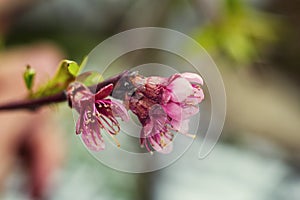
164 105
181 97
96 113
155 133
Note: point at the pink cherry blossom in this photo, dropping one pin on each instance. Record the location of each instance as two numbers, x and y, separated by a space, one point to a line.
164 105
96 113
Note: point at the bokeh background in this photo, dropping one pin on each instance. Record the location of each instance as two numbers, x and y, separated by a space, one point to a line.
255 44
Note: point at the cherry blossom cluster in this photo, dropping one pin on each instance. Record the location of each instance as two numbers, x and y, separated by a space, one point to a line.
162 105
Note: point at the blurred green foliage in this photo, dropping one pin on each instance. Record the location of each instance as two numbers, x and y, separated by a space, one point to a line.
239 32
1 42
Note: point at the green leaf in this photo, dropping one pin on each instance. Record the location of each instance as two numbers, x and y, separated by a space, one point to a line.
65 74
28 76
73 67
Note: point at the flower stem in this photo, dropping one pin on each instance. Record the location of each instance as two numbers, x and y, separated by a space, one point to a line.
34 104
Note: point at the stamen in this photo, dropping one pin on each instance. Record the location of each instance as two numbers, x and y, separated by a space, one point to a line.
162 142
112 130
115 139
186 134
189 135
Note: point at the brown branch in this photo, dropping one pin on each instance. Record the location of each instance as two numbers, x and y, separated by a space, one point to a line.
34 104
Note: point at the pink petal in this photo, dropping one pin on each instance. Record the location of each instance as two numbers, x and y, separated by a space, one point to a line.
192 77
166 96
189 110
154 144
119 110
180 89
93 140
147 129
162 149
78 93
174 110
173 77
79 123
181 126
197 97
104 92
180 112
158 117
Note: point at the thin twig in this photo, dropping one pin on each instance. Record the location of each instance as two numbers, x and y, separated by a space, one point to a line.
34 104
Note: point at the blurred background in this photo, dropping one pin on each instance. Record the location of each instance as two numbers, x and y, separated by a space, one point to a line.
255 44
